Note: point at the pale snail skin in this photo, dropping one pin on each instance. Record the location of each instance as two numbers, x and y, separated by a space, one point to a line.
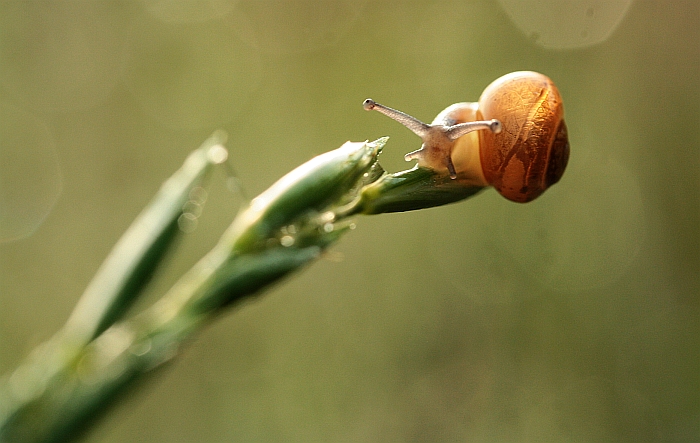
513 139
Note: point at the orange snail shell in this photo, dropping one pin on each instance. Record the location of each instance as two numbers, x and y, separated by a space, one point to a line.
532 150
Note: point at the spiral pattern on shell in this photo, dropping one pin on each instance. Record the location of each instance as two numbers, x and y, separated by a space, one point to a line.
532 151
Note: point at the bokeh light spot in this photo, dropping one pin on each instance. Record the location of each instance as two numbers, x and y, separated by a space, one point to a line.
554 24
30 176
584 237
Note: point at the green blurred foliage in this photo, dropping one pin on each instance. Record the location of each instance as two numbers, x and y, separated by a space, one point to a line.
572 318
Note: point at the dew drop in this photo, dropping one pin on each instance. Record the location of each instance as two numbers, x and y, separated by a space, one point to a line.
193 208
328 217
217 154
141 348
187 222
198 194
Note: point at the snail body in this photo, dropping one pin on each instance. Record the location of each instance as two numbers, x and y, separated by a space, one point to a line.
514 138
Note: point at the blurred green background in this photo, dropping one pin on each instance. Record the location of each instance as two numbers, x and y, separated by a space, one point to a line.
572 318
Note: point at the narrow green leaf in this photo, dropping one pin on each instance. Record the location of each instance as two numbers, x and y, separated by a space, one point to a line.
311 186
416 188
139 251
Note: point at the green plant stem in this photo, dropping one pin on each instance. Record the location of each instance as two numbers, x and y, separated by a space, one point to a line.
416 188
127 352
68 382
137 254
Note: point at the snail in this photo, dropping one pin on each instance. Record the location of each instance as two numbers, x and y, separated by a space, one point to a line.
513 139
